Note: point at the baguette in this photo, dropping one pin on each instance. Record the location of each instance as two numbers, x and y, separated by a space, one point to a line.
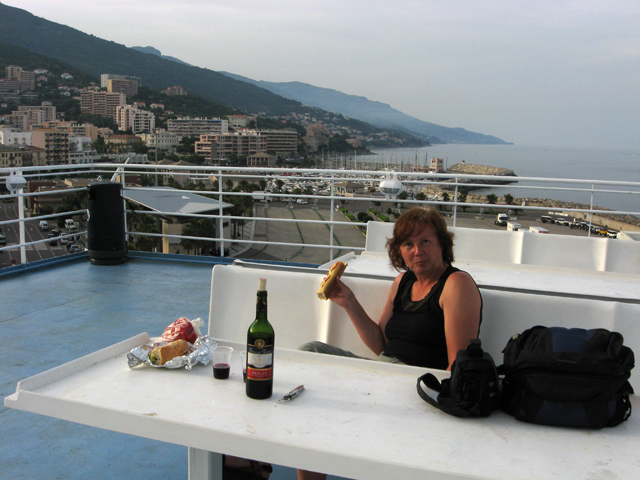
161 355
328 282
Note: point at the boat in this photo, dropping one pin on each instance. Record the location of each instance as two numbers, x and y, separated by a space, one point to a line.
63 308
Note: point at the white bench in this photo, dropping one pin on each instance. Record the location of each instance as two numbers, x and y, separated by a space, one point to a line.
527 248
524 261
298 316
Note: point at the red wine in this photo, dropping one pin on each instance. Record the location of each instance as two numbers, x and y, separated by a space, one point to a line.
260 346
221 371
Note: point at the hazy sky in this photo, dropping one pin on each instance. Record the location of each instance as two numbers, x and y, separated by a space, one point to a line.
534 72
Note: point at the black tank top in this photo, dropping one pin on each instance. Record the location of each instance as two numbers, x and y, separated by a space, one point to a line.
415 331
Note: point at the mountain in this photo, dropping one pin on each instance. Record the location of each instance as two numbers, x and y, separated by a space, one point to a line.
155 51
376 113
96 56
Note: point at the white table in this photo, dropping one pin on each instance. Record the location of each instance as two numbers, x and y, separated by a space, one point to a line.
356 418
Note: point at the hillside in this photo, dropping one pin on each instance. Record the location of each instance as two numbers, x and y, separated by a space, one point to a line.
96 56
376 113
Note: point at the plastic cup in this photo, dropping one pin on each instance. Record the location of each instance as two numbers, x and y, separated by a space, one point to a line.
222 362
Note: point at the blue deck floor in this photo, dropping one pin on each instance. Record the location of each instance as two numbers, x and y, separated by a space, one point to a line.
54 314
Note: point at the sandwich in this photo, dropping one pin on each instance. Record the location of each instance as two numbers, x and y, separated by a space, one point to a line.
161 355
328 282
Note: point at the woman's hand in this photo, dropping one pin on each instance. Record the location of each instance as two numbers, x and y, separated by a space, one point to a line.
342 295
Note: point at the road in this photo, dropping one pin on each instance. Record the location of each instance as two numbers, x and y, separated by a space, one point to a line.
273 231
40 251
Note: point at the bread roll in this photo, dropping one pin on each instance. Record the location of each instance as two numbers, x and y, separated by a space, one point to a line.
161 355
328 282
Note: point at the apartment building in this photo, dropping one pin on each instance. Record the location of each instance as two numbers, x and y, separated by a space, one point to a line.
207 147
281 142
242 121
122 143
261 159
436 165
105 77
54 143
240 144
161 139
21 156
101 103
194 127
26 79
129 117
10 156
11 136
176 90
48 111
128 87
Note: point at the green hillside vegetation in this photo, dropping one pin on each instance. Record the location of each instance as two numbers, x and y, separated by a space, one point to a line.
209 93
97 56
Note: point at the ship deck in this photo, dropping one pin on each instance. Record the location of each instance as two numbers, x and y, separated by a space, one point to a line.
56 313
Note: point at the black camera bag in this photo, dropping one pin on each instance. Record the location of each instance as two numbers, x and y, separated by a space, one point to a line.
473 388
567 377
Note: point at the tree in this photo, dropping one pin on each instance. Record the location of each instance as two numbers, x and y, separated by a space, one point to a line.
420 196
508 199
492 198
462 198
100 145
364 217
141 222
197 228
71 202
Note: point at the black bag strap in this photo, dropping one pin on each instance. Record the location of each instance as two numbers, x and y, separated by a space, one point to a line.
432 383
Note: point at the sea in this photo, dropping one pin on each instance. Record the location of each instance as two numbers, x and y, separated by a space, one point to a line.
596 164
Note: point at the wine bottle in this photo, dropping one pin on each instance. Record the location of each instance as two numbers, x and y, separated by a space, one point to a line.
260 345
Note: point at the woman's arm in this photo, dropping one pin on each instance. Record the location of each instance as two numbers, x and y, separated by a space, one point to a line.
461 303
371 333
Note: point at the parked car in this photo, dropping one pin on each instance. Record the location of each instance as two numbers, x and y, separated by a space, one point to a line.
53 239
74 248
3 239
44 225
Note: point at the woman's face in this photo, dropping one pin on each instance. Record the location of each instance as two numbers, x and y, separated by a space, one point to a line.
422 252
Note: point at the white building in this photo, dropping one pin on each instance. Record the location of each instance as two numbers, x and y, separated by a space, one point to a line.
13 136
129 117
161 138
194 127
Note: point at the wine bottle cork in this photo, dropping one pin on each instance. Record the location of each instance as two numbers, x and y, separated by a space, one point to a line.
262 285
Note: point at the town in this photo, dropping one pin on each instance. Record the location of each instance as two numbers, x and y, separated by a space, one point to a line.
39 135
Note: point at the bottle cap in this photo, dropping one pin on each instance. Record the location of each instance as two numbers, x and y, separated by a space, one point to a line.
262 285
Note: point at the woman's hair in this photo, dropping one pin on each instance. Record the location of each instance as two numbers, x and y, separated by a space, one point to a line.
405 226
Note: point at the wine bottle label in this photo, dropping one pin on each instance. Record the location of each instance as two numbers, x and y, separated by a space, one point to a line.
260 360
259 374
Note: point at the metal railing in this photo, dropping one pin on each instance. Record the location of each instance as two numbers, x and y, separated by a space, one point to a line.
325 190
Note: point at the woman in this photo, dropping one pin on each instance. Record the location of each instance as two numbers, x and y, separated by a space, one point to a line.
433 309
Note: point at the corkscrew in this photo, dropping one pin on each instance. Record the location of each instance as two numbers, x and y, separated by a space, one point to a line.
292 394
